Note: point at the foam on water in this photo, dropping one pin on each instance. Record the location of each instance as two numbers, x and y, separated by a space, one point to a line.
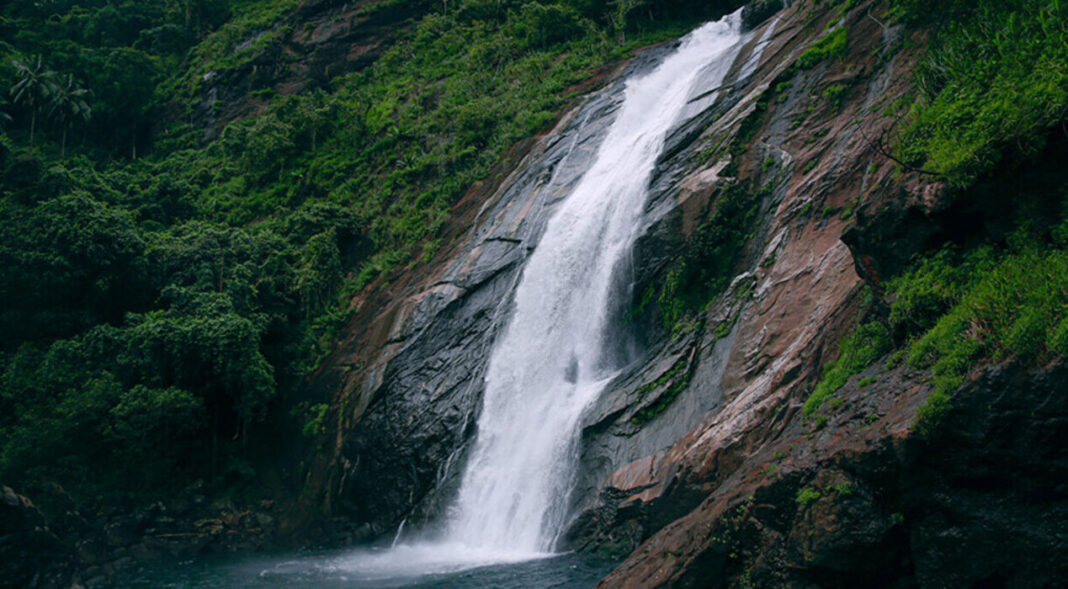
553 358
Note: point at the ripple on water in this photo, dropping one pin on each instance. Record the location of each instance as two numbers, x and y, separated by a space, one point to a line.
437 566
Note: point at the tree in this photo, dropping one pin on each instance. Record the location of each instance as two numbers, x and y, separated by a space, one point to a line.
35 84
68 105
202 345
320 271
124 86
621 10
4 117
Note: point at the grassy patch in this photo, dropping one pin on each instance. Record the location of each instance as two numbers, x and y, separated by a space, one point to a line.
857 351
995 77
1010 304
677 378
842 489
835 95
807 495
831 46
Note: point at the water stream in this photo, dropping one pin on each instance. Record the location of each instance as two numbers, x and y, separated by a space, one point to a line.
548 365
553 358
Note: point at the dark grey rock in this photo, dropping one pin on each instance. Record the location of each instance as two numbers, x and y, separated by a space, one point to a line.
756 12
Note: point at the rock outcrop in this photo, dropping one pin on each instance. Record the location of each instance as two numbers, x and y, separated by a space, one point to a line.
759 349
697 462
76 548
31 556
867 501
334 37
410 374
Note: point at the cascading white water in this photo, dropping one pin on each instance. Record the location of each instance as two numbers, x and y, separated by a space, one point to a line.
549 363
553 358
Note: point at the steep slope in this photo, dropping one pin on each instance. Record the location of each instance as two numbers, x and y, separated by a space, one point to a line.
859 495
698 460
680 179
308 46
842 328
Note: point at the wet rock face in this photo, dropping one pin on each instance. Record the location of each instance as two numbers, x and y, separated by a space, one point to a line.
980 501
411 380
755 495
696 460
757 12
413 402
761 340
987 493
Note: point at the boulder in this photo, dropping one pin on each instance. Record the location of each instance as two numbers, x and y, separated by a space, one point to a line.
31 556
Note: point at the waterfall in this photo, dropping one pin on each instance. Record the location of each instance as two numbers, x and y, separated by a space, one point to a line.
553 358
560 346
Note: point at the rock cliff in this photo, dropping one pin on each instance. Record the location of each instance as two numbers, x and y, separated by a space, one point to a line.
697 462
319 40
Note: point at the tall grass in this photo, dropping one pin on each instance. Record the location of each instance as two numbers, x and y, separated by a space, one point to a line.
995 78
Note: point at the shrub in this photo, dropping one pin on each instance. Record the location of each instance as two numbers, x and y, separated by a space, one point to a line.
1058 338
856 351
994 78
807 495
831 46
843 489
1028 333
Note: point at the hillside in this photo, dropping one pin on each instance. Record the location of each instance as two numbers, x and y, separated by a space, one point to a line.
255 257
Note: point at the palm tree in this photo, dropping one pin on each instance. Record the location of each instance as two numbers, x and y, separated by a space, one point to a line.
35 84
68 105
4 117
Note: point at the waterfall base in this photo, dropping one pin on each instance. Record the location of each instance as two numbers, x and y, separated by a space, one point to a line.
439 566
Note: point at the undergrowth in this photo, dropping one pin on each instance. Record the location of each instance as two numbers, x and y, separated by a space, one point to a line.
993 83
994 78
832 46
857 351
953 309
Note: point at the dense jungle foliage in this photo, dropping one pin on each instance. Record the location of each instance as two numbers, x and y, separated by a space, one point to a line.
162 296
989 120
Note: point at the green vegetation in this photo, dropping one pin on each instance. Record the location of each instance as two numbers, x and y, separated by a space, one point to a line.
162 296
1009 303
709 258
842 489
856 351
993 88
807 495
831 46
995 78
677 379
953 309
314 426
835 95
